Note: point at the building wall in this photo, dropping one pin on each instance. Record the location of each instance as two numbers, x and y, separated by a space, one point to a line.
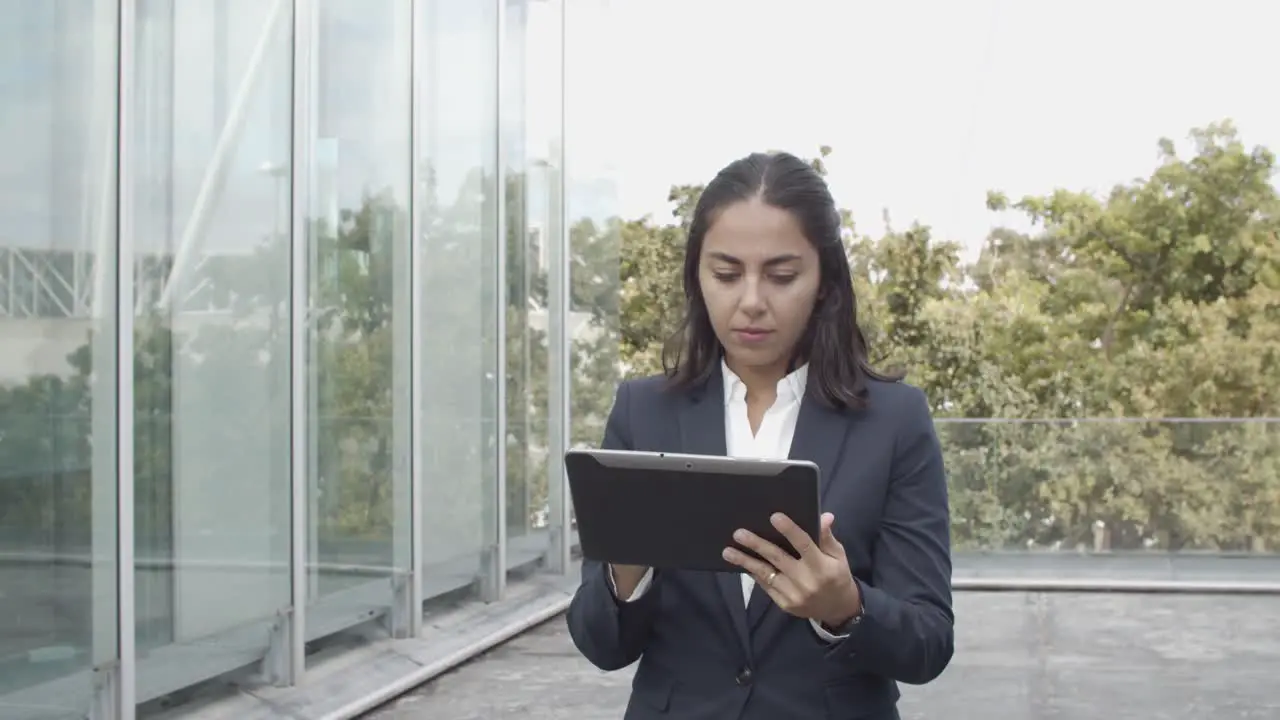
296 299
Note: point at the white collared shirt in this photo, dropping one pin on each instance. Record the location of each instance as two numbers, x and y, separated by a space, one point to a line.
771 441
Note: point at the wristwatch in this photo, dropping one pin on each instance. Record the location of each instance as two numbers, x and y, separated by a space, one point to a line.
849 624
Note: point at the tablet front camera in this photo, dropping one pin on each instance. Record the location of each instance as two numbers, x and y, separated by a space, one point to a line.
688 466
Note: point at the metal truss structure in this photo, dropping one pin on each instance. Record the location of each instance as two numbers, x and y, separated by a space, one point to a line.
52 284
46 284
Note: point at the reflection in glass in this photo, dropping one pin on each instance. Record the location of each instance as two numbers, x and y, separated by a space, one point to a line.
456 444
360 164
531 112
594 232
520 416
57 395
208 172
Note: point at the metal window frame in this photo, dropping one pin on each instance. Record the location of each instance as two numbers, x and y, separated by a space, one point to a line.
417 47
494 573
126 691
559 349
299 322
399 620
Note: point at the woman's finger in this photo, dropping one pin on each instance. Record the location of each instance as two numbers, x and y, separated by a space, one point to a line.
773 581
798 538
772 554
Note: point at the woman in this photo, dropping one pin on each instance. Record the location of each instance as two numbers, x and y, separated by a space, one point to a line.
770 363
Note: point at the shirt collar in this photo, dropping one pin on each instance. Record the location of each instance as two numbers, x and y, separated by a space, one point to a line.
790 387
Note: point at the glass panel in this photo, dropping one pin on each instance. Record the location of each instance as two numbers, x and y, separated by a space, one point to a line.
359 283
594 232
545 131
458 316
57 367
210 149
531 114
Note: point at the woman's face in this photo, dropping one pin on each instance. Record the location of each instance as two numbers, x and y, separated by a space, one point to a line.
759 277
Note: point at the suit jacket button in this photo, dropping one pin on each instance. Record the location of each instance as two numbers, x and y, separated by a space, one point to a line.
744 677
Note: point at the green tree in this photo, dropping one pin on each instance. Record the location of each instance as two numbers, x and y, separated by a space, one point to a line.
1156 301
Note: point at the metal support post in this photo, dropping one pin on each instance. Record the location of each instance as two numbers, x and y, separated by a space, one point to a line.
399 621
291 632
559 344
416 450
125 679
106 692
493 565
276 667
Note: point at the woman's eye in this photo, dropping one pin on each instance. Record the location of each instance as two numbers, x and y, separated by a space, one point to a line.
783 279
725 277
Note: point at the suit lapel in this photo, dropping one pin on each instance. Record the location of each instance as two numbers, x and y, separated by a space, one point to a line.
702 433
819 438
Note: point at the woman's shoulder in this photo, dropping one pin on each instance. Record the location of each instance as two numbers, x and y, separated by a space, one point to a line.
896 399
647 385
646 391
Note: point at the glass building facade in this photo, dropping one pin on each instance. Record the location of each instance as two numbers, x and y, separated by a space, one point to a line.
299 302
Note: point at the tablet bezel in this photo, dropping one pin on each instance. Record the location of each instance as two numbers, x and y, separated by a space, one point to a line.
670 473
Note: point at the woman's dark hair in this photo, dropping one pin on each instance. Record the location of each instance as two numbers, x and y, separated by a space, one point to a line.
833 344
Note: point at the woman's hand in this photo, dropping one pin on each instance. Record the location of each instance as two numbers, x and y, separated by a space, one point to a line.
817 586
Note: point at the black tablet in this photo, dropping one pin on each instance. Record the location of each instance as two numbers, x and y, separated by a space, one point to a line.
673 511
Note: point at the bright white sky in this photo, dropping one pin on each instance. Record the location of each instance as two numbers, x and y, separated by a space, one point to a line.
927 103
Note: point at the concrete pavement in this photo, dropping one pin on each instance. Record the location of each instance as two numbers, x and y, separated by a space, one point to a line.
1032 656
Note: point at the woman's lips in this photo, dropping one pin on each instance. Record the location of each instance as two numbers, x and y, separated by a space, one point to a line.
751 335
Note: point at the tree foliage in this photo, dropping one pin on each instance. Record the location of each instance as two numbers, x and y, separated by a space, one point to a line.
1100 380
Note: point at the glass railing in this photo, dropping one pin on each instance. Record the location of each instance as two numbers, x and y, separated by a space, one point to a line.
1086 485
1044 499
1114 485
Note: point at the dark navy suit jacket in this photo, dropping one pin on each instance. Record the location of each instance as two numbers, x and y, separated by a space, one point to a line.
704 656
